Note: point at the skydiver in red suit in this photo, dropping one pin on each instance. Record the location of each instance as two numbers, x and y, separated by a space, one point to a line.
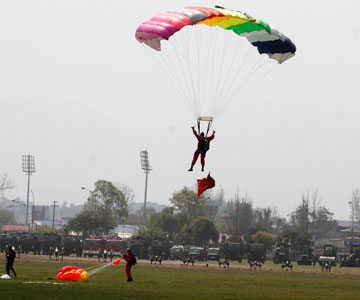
129 263
203 147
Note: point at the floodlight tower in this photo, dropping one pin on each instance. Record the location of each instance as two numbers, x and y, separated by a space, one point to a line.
28 166
145 165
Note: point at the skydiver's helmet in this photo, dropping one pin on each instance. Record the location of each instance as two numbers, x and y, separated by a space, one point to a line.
202 134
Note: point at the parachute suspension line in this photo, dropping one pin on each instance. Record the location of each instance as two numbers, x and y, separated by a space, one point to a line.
250 87
164 64
221 67
208 128
190 74
212 100
198 41
238 48
224 68
206 74
172 72
184 75
245 61
246 88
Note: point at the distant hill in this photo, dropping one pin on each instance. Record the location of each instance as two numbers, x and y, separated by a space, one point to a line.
139 205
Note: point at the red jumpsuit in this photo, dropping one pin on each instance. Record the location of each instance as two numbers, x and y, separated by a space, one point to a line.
128 257
199 150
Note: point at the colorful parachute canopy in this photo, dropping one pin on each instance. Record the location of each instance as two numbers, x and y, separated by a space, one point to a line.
116 261
205 184
260 34
72 273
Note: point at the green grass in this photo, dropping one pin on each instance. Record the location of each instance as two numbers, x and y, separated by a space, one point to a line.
172 281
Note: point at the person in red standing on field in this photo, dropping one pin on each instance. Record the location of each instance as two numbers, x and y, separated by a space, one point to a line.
130 261
203 147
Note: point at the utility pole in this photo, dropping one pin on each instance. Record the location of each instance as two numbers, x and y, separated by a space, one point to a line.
352 222
53 220
145 165
28 166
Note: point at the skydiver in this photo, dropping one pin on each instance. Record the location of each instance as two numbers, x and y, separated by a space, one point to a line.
10 258
203 147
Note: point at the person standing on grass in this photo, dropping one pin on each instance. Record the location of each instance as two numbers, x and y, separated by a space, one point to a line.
10 258
130 261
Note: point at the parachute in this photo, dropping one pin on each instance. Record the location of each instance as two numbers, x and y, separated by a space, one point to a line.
213 55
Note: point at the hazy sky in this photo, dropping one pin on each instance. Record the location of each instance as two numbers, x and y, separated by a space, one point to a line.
79 93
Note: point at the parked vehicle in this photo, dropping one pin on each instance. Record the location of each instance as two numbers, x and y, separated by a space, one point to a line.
256 253
7 239
353 259
233 251
71 245
306 256
282 255
328 255
139 247
28 243
49 242
177 252
93 247
160 248
197 253
213 254
116 247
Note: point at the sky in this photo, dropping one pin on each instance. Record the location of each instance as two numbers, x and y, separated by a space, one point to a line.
79 93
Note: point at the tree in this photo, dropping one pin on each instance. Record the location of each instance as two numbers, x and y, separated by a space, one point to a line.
241 216
355 205
295 236
187 204
128 195
203 230
108 201
213 203
90 224
6 217
103 209
263 237
309 216
5 183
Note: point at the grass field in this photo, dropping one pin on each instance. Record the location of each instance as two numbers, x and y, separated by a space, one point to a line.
173 281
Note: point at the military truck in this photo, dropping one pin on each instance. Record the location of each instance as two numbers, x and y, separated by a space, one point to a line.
116 246
177 252
71 245
196 253
328 255
213 254
306 256
8 239
28 243
49 242
139 247
256 253
232 251
93 247
353 259
160 248
282 255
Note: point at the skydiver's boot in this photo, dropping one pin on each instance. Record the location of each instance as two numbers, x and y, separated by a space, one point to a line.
202 169
191 169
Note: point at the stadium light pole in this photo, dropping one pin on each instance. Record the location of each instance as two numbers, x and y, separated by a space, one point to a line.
145 166
33 208
28 166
